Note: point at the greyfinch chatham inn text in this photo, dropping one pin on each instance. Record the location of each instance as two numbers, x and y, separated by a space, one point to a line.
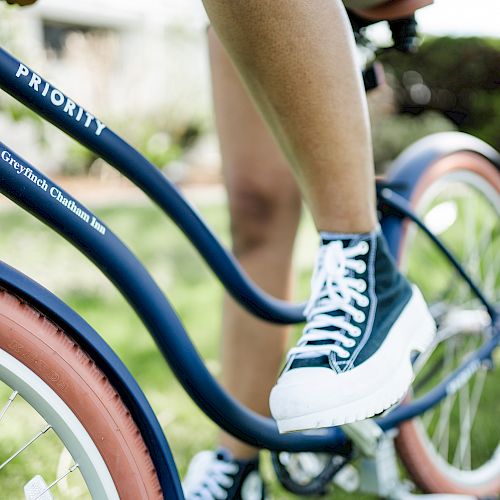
59 100
53 191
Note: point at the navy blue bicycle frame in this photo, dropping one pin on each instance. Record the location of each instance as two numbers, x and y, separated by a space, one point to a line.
40 196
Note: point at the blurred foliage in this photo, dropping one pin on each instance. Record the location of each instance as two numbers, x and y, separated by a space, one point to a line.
162 143
161 139
392 134
18 113
456 77
82 160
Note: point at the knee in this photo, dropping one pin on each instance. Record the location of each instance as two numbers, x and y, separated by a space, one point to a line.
263 212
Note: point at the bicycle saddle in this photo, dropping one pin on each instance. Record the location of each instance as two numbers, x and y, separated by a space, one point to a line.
392 9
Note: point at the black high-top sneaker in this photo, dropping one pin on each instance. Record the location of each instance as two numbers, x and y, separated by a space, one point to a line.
218 476
364 320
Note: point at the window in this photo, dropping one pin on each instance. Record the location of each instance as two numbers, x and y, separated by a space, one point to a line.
56 33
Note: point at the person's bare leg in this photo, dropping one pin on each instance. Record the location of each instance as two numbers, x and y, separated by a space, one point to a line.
297 59
264 205
364 319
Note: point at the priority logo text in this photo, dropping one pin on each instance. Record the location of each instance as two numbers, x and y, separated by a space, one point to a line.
59 100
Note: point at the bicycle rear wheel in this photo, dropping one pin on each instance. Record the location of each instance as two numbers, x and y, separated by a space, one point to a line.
455 447
63 427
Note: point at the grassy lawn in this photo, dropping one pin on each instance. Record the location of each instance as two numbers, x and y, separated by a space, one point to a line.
195 293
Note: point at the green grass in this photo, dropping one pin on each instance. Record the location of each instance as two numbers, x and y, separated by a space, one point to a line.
193 290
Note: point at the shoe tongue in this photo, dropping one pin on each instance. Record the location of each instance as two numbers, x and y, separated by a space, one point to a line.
315 361
326 240
345 239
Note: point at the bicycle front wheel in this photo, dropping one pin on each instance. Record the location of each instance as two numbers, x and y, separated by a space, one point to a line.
64 430
455 446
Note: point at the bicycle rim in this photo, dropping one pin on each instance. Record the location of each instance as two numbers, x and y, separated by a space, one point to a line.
25 384
455 446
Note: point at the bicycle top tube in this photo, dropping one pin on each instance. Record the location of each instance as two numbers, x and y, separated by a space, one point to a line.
40 96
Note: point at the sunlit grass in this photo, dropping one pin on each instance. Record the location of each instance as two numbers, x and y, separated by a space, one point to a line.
195 293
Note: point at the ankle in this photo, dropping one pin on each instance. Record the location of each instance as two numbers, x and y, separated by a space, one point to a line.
327 236
365 225
239 450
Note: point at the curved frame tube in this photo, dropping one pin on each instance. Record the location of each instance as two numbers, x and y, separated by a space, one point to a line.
78 225
29 88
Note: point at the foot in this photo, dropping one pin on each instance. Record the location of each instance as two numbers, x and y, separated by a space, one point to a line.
218 476
364 320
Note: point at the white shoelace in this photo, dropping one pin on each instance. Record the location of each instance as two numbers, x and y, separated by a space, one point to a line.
208 477
333 290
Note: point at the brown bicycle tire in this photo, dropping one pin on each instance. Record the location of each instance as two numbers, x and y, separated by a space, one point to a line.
410 442
50 353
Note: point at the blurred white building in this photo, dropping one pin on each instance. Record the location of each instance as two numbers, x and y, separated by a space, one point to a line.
121 59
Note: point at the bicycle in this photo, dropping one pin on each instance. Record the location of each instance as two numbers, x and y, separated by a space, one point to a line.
52 359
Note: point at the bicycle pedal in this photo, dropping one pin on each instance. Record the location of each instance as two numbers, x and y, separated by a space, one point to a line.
347 478
37 489
365 434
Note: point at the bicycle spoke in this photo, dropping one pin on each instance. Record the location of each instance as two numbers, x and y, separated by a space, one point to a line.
461 458
491 278
480 251
60 478
463 452
427 418
470 226
458 292
486 238
479 242
477 392
421 361
30 442
440 437
7 405
486 234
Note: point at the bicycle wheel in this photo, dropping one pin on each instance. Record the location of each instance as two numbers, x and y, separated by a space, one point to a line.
64 431
455 446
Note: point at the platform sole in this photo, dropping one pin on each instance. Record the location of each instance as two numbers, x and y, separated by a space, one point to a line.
381 381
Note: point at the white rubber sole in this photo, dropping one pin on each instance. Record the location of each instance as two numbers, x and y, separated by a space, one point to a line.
310 398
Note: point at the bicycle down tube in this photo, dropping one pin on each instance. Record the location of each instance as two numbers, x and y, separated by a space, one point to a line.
32 190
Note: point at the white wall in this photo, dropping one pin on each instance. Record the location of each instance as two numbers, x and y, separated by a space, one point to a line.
153 61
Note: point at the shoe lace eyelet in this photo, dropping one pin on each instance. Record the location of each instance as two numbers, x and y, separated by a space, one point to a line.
360 267
363 301
363 247
356 332
361 286
359 317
